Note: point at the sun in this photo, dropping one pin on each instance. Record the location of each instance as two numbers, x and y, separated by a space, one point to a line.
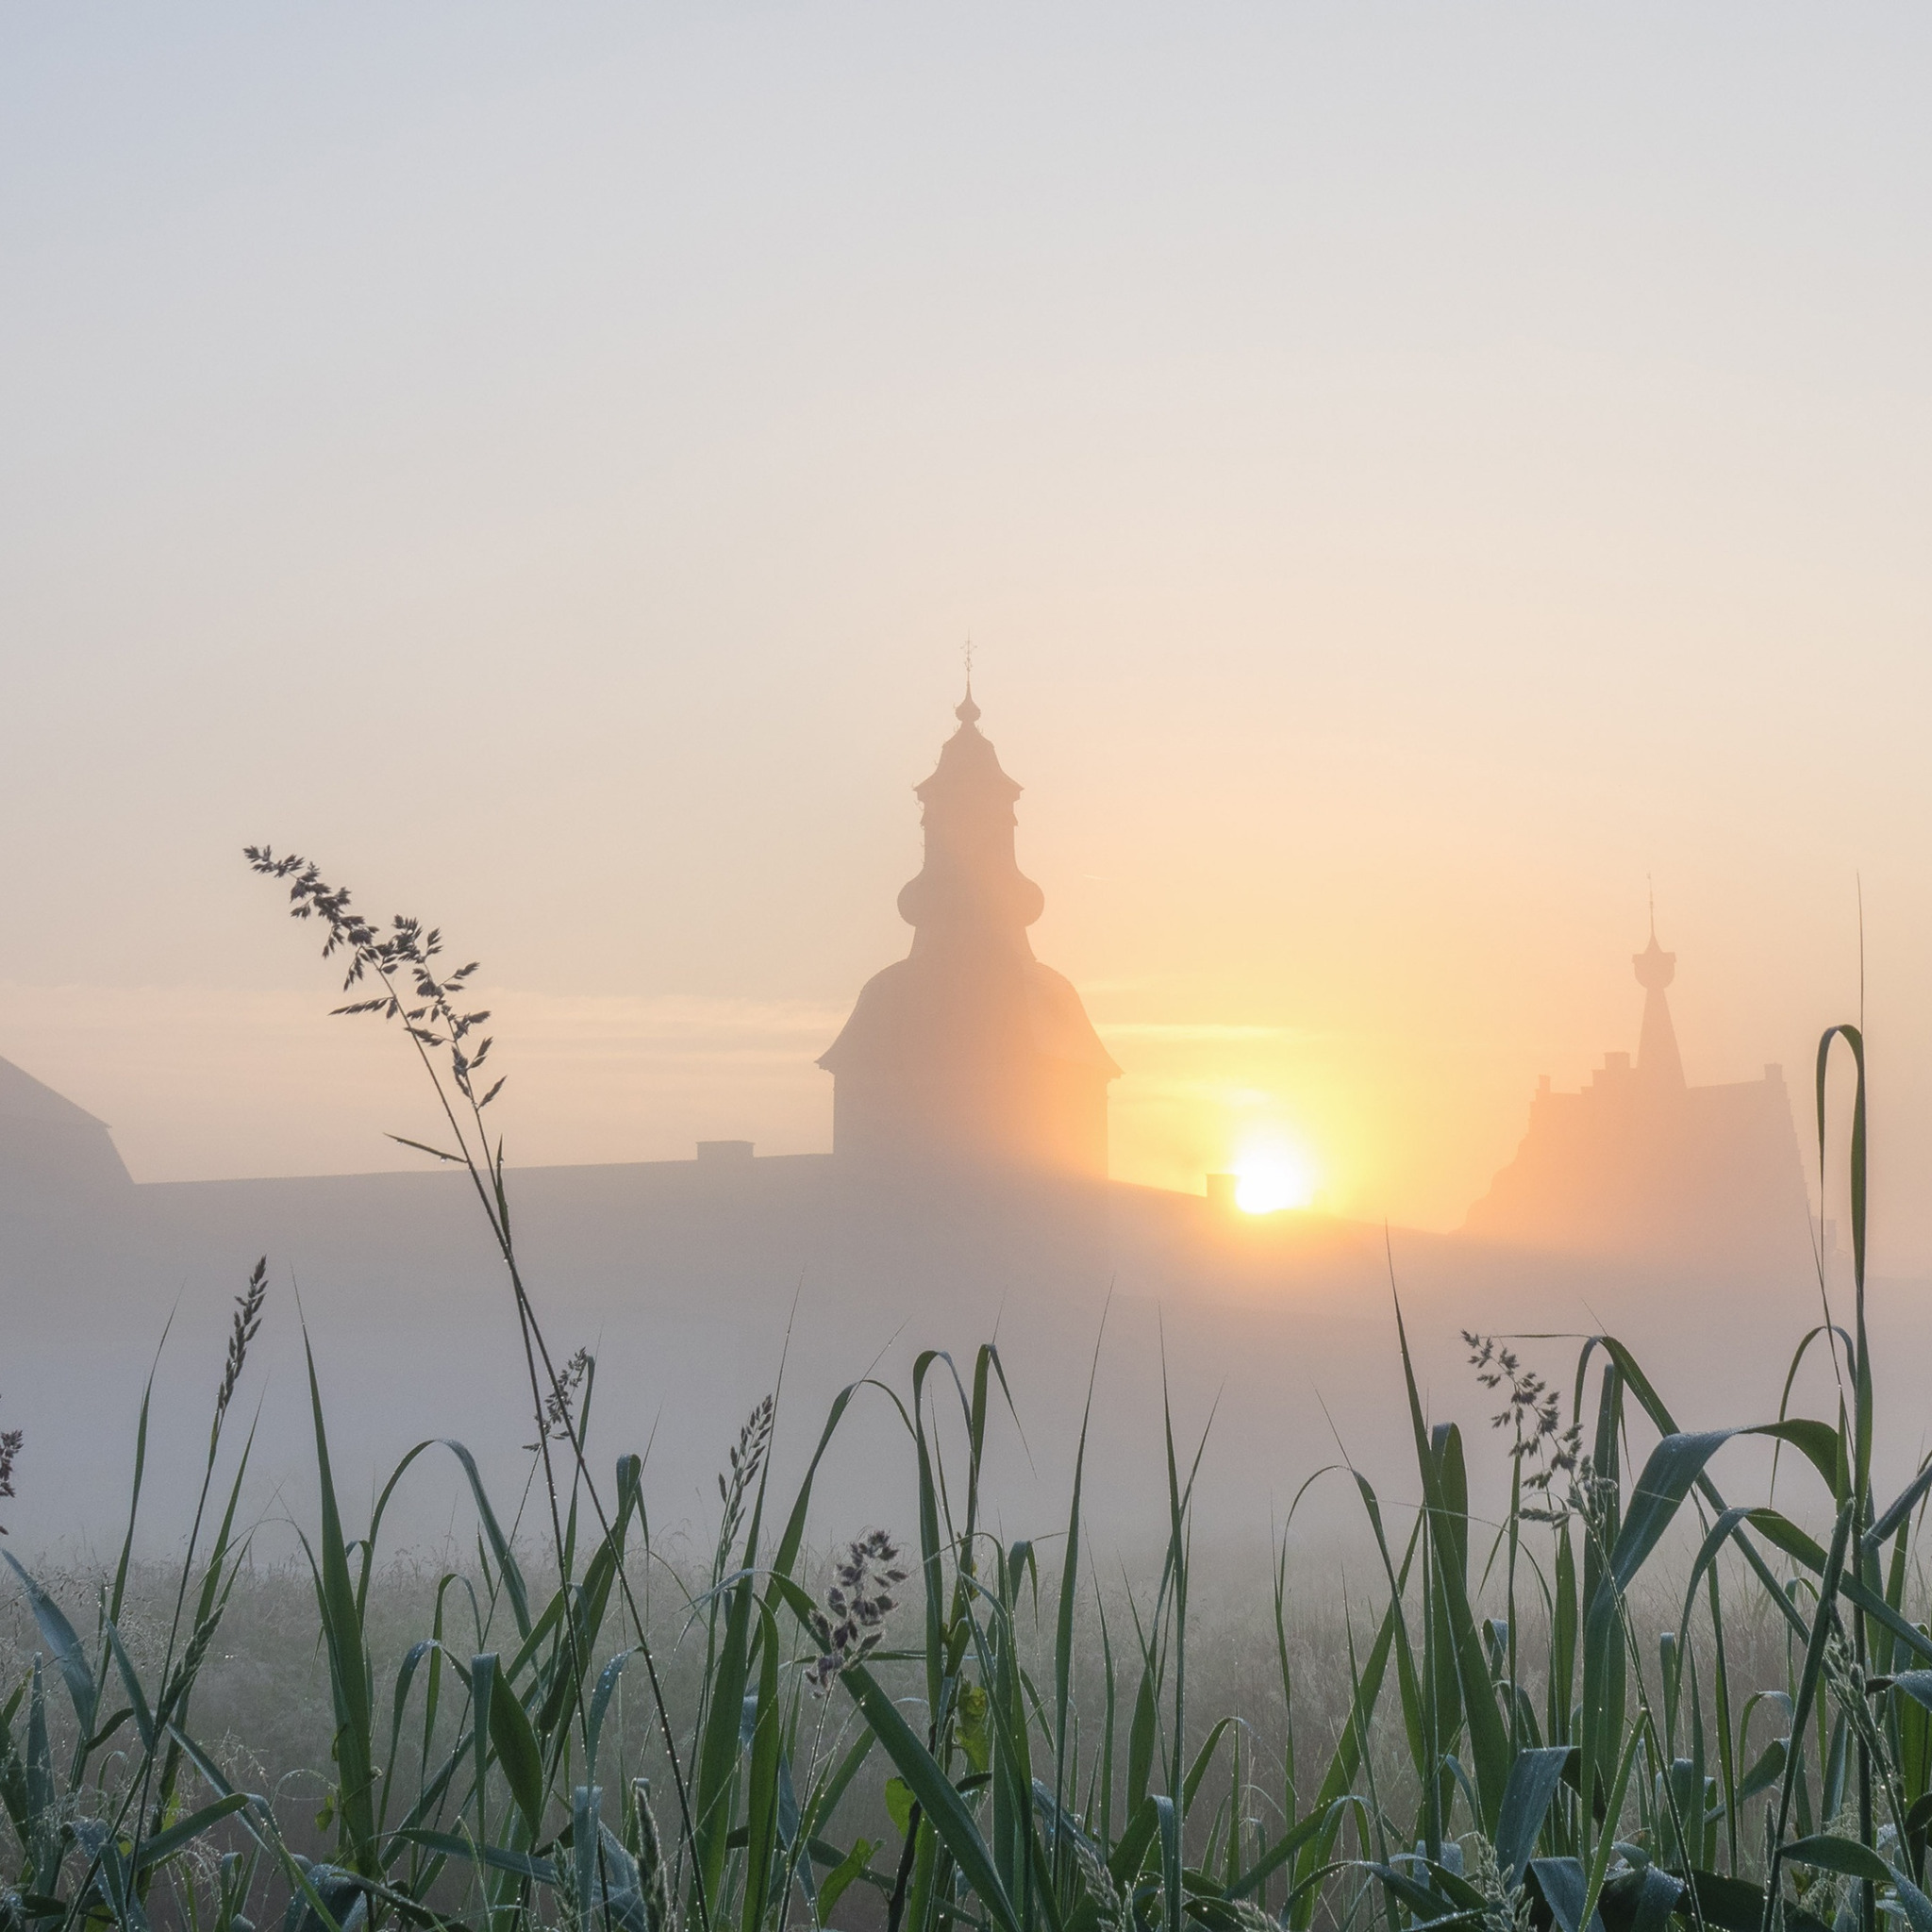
1270 1177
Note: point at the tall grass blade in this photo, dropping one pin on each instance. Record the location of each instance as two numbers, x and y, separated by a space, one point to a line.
1489 1735
341 1628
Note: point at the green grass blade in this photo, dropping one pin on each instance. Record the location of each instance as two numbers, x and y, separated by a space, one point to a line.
761 1824
1489 1735
68 1658
1823 1624
938 1801
1168 1818
1063 1622
517 1753
347 1657
1526 1795
718 1753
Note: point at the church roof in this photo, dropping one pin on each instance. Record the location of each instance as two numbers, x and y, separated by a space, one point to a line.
908 1009
23 1098
968 767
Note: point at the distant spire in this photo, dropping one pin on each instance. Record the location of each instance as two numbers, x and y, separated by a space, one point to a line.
1657 1058
968 712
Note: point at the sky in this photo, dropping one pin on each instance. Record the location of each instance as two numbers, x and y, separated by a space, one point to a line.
1416 479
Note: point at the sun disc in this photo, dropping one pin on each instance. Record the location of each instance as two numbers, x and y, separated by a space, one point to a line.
1271 1178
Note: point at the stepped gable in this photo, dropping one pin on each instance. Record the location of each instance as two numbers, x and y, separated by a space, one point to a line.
48 1146
969 1053
1642 1164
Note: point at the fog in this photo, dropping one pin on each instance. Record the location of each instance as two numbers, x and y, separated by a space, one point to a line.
1281 1349
1429 498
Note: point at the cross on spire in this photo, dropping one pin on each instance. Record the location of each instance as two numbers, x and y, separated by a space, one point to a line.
967 713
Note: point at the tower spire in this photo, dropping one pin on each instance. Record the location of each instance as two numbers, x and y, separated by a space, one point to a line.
970 890
1657 1058
967 711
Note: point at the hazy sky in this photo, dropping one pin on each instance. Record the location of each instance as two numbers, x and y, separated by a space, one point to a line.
1410 475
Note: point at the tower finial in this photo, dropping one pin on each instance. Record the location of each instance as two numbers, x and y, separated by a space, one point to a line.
968 712
1658 1057
1649 879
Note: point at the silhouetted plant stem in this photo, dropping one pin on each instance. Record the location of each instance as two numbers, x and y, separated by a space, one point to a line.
409 947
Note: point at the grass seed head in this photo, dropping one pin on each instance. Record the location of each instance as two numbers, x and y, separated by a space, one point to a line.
241 1331
12 1443
746 1457
560 1404
857 1601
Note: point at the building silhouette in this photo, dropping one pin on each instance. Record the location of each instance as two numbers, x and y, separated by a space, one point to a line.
1642 1164
969 1054
53 1153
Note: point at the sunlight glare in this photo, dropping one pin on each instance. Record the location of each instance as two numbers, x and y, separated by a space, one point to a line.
1273 1177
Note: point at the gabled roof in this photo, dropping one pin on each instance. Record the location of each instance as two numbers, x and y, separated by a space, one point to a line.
23 1098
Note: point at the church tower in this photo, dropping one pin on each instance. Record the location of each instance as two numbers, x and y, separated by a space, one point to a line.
1639 1165
1657 1058
969 1053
